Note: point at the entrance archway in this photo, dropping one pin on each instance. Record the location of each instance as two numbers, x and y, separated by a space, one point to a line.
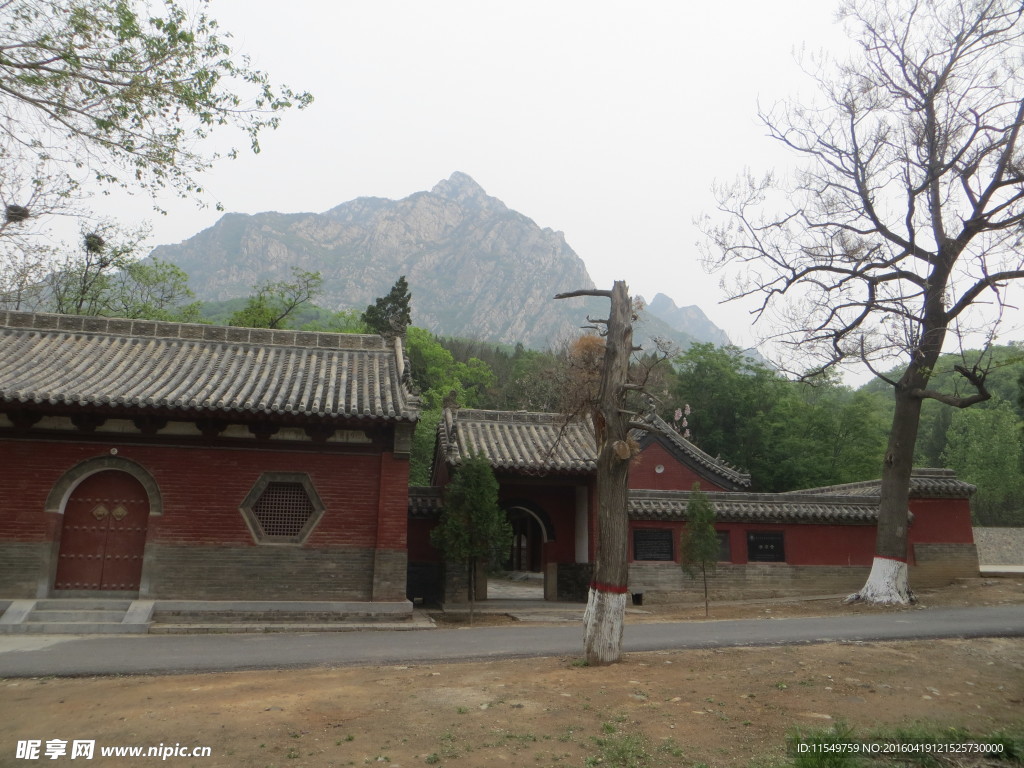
528 538
527 555
104 534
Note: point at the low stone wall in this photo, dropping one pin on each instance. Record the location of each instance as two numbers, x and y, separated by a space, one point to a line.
261 573
22 565
942 564
573 583
668 583
937 565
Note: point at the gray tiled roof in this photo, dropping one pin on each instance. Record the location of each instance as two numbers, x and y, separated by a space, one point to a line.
925 482
517 440
545 442
732 478
756 507
730 507
113 363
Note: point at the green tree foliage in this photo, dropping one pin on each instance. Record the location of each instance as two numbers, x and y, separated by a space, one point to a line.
439 379
698 545
106 277
526 379
274 303
983 445
390 315
473 528
122 92
787 434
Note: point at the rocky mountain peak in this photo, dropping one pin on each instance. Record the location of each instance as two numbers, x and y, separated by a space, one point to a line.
475 267
461 188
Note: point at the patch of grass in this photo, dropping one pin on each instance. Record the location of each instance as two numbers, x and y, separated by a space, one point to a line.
669 747
448 748
624 750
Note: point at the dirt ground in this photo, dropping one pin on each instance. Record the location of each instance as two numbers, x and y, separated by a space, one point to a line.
718 707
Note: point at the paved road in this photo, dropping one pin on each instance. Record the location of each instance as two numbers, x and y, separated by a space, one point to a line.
92 655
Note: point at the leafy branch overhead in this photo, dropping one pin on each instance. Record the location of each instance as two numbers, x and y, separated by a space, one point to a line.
124 93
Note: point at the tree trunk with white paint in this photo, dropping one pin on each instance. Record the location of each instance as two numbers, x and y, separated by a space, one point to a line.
603 623
606 612
888 582
606 606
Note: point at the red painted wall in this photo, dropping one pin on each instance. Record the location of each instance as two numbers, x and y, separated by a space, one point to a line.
676 477
805 544
941 520
202 489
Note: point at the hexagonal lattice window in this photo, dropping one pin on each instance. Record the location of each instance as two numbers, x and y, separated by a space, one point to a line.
282 508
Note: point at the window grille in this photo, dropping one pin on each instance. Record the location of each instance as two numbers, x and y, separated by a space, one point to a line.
283 509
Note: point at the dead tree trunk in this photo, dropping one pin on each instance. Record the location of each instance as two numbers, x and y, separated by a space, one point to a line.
606 604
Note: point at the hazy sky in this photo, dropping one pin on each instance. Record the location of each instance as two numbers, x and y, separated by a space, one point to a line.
607 121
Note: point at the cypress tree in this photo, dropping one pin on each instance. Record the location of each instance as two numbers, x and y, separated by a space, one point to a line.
699 542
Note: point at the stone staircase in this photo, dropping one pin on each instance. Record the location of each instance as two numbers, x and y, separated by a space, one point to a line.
76 616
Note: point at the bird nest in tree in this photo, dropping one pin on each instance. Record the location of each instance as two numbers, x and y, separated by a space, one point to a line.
15 214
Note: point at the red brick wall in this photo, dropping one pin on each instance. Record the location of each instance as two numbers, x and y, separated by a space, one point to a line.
202 489
676 477
393 502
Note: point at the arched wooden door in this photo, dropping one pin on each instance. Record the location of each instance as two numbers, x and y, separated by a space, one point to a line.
104 534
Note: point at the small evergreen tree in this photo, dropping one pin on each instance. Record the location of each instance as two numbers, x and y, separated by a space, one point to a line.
698 546
473 527
390 315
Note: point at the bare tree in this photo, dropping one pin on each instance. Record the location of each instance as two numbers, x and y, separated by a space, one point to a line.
606 602
901 231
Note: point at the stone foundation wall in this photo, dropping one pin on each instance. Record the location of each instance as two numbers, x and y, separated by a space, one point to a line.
390 568
23 567
260 573
667 582
574 582
941 564
936 566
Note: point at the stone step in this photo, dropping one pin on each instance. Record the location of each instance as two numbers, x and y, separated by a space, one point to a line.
257 628
74 628
91 616
81 604
273 617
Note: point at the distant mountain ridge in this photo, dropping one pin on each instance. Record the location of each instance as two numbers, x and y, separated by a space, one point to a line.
476 268
691 320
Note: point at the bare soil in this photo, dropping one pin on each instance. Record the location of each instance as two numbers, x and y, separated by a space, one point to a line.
720 707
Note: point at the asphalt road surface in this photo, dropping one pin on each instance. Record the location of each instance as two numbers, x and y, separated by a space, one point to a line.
70 656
